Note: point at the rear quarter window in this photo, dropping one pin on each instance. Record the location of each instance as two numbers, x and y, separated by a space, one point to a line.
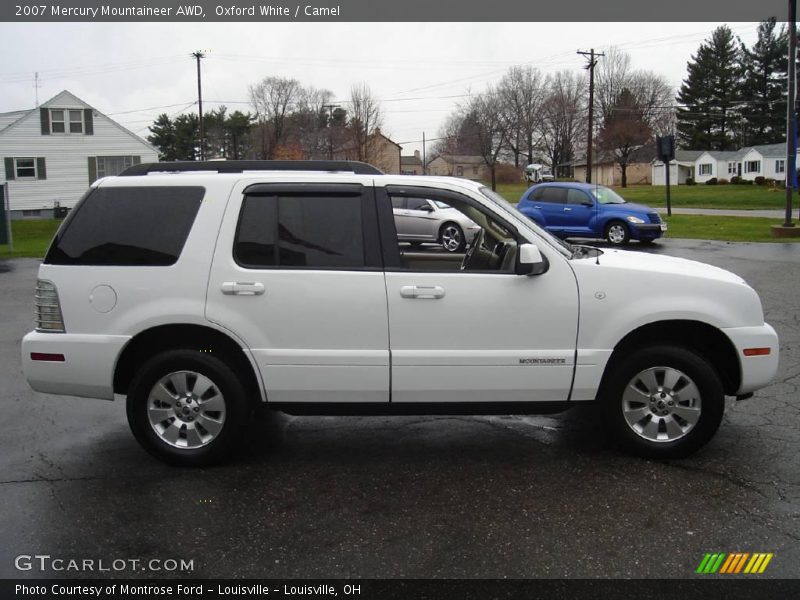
127 226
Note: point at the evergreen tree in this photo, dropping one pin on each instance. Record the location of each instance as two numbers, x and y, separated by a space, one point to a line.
162 136
763 94
710 93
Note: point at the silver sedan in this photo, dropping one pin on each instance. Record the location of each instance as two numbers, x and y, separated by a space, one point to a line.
419 220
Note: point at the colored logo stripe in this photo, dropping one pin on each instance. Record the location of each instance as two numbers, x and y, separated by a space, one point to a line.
733 563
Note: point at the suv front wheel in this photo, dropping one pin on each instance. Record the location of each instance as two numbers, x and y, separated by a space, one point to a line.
663 402
187 408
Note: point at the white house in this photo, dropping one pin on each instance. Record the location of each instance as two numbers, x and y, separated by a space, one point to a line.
681 168
768 161
52 153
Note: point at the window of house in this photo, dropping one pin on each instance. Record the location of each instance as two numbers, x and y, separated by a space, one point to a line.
64 120
113 165
705 169
25 168
780 166
460 171
32 213
752 166
474 170
732 170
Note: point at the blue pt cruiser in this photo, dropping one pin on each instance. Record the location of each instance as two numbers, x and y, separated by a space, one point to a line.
590 211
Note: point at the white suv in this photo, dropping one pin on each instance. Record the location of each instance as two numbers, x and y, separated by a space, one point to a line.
203 291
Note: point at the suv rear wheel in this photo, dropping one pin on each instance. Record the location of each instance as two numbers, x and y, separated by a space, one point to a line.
663 402
187 408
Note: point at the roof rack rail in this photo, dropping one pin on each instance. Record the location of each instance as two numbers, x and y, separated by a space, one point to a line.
238 166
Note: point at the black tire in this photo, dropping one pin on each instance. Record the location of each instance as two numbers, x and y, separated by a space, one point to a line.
697 371
227 390
617 233
451 237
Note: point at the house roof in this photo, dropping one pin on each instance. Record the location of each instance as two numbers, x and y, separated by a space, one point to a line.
9 119
770 150
410 160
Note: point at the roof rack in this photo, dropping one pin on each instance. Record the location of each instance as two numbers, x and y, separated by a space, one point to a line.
238 166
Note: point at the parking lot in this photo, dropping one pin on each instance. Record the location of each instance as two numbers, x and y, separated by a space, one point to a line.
420 497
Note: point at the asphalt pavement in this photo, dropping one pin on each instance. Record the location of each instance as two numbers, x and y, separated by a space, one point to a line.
493 497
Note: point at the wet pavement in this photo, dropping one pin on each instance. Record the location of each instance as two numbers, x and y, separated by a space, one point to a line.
423 497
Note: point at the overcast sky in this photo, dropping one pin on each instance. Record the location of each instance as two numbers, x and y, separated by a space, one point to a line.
135 71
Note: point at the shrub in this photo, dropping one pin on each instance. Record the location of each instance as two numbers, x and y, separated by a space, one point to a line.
508 173
690 181
736 180
712 181
760 180
746 182
723 181
769 181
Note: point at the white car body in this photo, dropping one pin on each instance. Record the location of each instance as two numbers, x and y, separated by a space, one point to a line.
338 336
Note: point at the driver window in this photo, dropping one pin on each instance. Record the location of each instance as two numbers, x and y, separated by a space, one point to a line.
455 237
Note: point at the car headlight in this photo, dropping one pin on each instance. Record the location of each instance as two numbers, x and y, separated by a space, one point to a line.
636 220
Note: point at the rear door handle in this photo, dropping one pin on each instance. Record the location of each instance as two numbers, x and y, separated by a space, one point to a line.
567 209
422 292
242 288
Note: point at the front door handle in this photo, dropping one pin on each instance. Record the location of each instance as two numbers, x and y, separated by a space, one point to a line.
567 209
422 292
242 288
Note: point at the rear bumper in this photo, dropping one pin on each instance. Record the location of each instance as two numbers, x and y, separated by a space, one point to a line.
757 371
87 369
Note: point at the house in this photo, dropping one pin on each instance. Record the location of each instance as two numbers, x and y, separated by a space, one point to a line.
411 165
606 170
52 153
768 161
454 165
681 168
380 152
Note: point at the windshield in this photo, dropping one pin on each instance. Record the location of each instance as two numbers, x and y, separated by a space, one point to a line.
563 246
605 195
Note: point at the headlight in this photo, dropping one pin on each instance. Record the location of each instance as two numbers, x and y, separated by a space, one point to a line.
636 220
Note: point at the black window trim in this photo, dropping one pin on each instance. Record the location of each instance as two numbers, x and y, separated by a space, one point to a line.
391 253
371 239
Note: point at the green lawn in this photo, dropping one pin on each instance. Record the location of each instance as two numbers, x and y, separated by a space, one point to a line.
31 238
730 229
689 196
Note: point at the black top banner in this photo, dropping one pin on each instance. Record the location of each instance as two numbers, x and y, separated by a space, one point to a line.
398 11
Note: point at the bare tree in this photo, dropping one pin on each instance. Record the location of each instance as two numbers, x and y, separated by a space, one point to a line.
272 98
624 131
564 117
310 122
456 136
611 75
654 97
491 127
366 117
522 93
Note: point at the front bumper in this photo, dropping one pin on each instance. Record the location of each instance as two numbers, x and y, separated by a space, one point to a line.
87 369
757 371
647 230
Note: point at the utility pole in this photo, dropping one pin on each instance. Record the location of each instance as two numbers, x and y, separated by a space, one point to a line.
330 108
36 86
592 56
791 114
198 55
424 161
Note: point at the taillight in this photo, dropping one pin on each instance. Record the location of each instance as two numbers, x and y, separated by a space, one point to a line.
48 308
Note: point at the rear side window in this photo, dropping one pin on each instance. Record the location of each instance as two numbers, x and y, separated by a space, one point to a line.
557 195
301 231
127 226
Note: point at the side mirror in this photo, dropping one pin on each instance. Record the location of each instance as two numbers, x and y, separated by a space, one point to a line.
530 261
426 208
587 203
